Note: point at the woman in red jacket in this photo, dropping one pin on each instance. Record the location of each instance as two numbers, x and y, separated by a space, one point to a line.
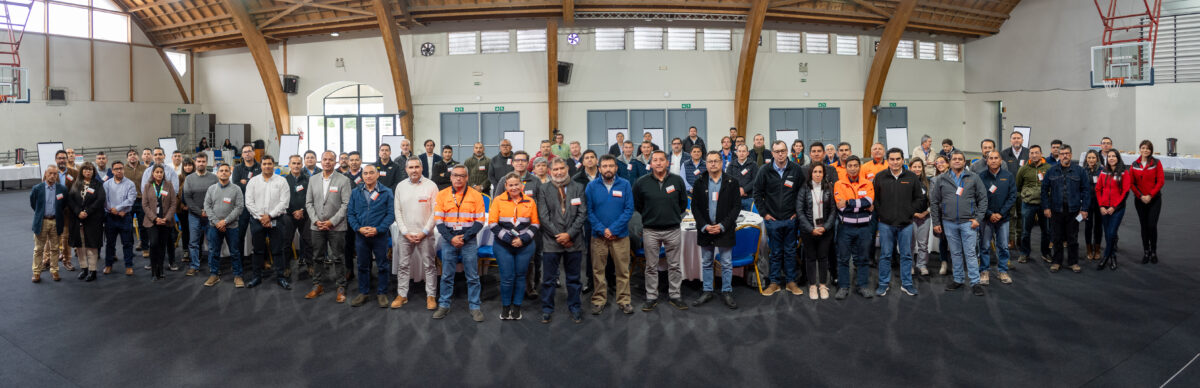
1111 188
1146 175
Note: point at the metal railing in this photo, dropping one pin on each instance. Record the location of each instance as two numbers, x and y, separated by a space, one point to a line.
89 153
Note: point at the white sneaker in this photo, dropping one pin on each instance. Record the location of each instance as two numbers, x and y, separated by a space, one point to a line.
924 271
944 269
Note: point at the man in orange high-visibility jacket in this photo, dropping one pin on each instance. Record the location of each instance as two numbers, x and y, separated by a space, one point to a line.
459 214
855 198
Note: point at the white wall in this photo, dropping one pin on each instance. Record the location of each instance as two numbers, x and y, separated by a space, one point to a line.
228 84
1039 64
111 119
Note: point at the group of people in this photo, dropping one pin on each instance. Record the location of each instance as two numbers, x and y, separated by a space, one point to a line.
569 209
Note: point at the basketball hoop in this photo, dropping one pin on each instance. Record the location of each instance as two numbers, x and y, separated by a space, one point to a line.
1112 86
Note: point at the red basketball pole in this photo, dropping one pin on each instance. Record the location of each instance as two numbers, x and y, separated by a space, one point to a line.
1110 18
14 30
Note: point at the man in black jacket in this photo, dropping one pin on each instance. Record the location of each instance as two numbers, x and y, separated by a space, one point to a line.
501 164
715 206
661 200
775 190
693 139
295 219
898 198
390 172
743 170
441 168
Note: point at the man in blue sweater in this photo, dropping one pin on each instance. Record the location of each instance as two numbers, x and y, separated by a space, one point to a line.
370 214
610 205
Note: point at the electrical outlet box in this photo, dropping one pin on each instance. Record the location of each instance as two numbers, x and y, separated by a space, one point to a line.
803 67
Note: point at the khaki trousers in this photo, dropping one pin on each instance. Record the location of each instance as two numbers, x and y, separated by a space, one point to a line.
619 249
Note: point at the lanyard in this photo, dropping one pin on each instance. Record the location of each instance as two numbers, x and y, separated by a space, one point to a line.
157 190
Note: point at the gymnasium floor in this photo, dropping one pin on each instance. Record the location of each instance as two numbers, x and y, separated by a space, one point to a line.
1134 327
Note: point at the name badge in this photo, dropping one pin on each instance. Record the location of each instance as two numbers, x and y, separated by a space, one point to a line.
508 161
529 192
787 184
422 200
862 192
1039 176
1095 179
714 195
383 173
1022 163
90 190
333 189
871 176
1079 218
299 188
70 178
629 166
647 167
227 200
745 171
58 196
374 195
922 191
959 191
697 172
615 193
577 165
162 192
482 168
992 189
576 202
670 189
458 228
249 175
358 180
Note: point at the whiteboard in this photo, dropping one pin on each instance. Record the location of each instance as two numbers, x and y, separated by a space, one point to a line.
788 136
46 156
168 145
517 138
898 138
392 141
656 137
288 145
1024 131
612 135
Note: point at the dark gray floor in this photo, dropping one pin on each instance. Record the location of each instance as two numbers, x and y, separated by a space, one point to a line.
1134 327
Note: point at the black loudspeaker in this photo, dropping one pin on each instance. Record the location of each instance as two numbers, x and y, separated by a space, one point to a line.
564 73
290 84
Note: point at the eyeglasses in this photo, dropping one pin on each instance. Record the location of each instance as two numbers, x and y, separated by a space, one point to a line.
458 175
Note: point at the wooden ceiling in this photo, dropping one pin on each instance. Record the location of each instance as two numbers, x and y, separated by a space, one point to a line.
203 25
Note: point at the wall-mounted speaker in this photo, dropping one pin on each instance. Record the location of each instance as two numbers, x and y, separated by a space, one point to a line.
564 72
291 83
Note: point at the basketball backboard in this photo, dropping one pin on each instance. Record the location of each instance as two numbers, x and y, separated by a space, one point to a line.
1132 63
14 84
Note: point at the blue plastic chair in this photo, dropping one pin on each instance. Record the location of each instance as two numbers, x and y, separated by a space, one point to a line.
217 155
487 203
745 250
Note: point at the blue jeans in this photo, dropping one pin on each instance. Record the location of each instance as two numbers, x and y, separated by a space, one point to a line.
1031 216
747 203
852 243
706 261
889 237
468 255
513 263
964 241
781 238
372 246
570 263
123 227
999 233
232 238
197 226
1112 223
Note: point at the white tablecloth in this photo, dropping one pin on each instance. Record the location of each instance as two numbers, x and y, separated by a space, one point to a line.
1168 162
484 237
690 258
14 173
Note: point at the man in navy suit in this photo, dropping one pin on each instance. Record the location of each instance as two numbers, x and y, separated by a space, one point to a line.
47 200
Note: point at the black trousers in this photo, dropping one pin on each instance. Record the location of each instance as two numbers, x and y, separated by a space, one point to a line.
185 235
1093 229
1148 219
264 239
817 263
1066 228
158 237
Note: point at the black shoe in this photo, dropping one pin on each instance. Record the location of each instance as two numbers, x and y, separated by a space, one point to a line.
954 286
587 289
83 274
678 303
598 308
1154 257
504 313
977 290
285 283
727 297
1146 258
577 316
91 276
1112 263
626 308
704 298
546 317
865 293
1103 263
514 312
649 305
254 282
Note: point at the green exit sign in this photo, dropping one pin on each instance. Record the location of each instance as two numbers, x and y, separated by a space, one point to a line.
458 109
892 104
499 108
821 105
686 106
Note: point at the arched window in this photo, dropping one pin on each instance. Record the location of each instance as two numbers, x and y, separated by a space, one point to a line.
354 100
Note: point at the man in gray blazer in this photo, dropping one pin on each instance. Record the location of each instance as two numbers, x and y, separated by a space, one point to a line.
326 202
562 214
